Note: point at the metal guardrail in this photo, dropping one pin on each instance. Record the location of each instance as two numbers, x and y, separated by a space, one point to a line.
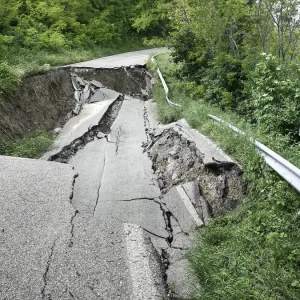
284 168
164 85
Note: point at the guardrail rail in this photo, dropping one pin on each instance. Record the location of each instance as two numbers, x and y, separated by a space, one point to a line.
284 168
164 85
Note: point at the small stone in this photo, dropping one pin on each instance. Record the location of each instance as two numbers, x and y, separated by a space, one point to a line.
100 135
172 153
160 183
145 94
57 131
174 176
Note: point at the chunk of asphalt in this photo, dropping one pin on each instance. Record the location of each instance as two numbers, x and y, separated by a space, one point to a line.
97 84
104 94
193 192
212 154
145 267
85 94
182 209
35 220
91 115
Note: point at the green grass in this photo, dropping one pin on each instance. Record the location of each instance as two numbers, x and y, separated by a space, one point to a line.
32 146
253 253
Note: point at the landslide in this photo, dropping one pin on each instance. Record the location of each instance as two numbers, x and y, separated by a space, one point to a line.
41 101
46 100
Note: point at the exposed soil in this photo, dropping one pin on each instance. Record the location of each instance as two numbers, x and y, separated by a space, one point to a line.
177 160
42 101
134 81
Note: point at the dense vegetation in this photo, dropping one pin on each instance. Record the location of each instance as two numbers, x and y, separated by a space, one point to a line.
240 55
38 34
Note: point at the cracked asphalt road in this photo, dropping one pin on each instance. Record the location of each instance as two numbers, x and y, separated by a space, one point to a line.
103 218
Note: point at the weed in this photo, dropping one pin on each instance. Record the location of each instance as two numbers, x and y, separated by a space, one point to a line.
32 146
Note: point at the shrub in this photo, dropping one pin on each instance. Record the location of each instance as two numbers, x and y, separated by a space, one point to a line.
9 77
275 96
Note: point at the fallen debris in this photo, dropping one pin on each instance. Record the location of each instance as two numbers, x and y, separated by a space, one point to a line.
177 160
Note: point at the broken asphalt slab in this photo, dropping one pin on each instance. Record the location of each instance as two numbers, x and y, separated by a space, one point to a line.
78 127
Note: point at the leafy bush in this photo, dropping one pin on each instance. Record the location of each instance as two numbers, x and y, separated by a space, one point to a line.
9 77
275 97
253 253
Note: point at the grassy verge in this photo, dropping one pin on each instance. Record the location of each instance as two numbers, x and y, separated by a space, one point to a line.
32 146
253 253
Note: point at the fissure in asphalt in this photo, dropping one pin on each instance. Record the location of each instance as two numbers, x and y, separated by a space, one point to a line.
98 131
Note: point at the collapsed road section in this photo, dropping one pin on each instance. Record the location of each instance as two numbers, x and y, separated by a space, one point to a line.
138 194
167 180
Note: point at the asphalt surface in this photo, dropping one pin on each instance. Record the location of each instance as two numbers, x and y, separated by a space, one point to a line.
35 222
62 226
120 60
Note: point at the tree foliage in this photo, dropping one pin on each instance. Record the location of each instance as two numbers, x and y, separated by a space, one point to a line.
221 41
59 24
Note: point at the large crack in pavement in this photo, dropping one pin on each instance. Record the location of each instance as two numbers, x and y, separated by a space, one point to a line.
100 185
71 242
176 161
98 131
43 291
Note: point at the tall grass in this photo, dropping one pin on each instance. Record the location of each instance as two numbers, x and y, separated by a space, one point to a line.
254 252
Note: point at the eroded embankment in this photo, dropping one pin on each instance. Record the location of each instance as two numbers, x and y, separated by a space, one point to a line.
47 100
133 81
